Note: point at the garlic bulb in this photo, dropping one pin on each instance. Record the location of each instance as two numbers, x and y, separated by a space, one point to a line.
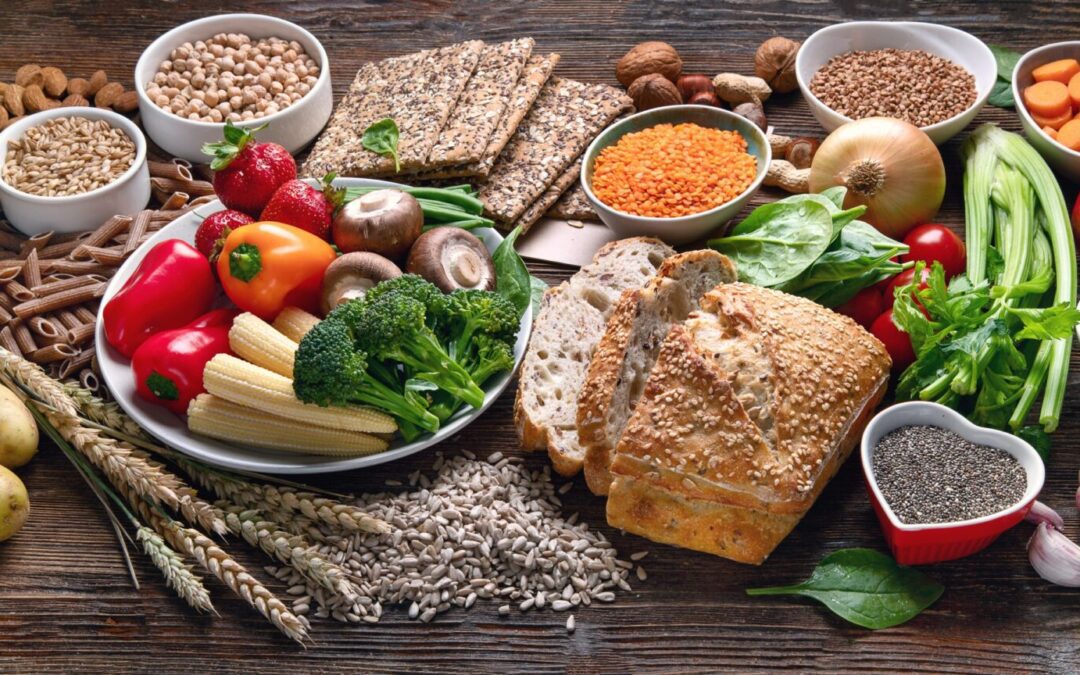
1054 556
1041 513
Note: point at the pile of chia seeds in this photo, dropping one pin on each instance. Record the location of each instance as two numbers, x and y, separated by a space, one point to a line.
931 475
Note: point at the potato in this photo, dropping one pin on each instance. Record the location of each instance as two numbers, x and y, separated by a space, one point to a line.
14 504
18 432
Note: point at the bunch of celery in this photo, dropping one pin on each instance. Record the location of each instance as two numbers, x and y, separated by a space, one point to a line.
991 340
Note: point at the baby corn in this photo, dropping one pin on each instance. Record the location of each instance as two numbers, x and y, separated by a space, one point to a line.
246 384
217 418
294 323
258 342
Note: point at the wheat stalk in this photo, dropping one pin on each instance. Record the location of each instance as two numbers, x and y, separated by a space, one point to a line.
105 413
290 549
177 575
201 512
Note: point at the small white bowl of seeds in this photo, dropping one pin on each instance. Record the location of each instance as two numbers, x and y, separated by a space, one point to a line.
71 169
249 69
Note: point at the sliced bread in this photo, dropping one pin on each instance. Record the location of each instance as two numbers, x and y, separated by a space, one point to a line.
625 355
565 333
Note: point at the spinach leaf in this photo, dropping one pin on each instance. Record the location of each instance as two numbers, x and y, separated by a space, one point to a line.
865 587
1006 61
512 278
382 138
1001 95
836 195
777 241
538 287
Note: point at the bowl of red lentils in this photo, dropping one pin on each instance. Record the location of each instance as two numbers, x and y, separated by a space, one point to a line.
934 77
677 173
249 69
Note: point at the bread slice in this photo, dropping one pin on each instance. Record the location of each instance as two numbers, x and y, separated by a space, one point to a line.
753 404
627 352
564 335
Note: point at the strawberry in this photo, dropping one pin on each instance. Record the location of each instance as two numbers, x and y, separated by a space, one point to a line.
212 231
246 172
298 204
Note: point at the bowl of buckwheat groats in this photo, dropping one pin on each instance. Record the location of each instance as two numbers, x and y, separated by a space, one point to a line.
248 69
935 77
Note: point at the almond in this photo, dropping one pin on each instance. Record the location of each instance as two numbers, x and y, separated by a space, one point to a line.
126 102
28 74
79 86
13 96
55 82
74 100
108 94
34 99
98 80
3 116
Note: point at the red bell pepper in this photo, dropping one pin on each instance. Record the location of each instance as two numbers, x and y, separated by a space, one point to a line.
168 367
171 287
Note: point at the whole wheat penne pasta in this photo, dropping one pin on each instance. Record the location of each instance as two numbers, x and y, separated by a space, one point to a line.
5 315
46 331
68 319
194 188
8 255
51 303
32 269
52 287
256 341
85 314
11 241
79 267
23 337
64 248
34 243
80 334
7 341
173 201
18 292
111 255
104 234
89 380
10 272
5 300
52 353
137 230
168 170
76 363
199 201
294 323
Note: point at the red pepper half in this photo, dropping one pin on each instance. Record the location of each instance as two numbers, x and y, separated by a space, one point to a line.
170 288
168 367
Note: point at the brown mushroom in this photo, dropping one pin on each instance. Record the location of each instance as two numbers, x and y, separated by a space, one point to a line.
452 258
354 274
386 222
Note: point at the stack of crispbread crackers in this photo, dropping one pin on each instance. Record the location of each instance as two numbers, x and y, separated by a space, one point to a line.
488 114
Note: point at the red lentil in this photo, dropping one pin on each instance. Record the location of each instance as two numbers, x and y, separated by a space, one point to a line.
668 170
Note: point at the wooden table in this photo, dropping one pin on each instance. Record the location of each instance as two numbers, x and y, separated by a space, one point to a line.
66 602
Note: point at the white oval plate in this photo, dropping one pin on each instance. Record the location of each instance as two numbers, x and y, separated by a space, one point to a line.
172 430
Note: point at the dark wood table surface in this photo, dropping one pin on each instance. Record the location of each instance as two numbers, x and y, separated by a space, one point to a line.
66 602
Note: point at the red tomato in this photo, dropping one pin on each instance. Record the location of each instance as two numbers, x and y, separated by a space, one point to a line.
896 341
865 306
903 279
931 242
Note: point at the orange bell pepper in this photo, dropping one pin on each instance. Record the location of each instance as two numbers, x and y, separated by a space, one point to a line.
267 266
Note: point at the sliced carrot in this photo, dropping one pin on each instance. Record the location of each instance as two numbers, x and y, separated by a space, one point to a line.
1069 135
1051 132
1061 71
1047 99
1054 122
1074 90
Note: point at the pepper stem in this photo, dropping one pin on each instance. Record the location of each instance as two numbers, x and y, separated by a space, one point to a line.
245 262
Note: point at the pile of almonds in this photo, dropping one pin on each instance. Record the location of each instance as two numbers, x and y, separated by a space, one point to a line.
37 88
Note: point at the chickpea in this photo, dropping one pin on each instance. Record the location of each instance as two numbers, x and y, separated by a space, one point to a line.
161 101
160 78
235 102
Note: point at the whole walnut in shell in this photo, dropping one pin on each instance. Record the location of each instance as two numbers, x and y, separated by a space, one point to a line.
774 62
653 91
649 58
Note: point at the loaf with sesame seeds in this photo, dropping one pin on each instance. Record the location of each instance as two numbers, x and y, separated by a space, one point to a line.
627 352
754 403
565 333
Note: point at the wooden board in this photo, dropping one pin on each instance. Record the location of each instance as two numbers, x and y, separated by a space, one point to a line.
67 605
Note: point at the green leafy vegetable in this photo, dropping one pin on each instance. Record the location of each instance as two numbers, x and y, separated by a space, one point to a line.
538 287
1001 95
866 588
382 138
512 278
1039 439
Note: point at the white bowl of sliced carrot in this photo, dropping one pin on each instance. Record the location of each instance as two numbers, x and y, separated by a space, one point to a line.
1046 86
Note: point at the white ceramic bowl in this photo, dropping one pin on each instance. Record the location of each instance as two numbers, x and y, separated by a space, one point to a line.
959 47
1056 155
294 127
126 195
684 229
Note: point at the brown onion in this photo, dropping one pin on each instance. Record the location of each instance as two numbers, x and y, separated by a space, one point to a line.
887 164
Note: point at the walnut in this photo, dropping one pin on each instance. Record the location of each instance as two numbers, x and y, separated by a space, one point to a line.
649 58
774 62
653 91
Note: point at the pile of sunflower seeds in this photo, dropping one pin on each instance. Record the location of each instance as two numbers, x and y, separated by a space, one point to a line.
476 530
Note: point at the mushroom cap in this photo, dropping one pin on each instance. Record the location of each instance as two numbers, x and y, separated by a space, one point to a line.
385 221
354 274
452 258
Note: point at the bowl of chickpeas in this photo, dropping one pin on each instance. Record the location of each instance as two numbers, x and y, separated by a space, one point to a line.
249 69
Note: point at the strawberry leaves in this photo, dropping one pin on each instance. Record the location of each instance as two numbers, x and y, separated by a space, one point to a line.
226 151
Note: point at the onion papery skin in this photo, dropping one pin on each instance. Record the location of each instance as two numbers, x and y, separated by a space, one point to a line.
888 165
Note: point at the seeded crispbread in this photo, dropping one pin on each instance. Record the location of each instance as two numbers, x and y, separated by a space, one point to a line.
536 73
573 205
537 209
564 119
418 91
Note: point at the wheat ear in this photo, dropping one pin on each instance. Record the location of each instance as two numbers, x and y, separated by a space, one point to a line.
105 413
178 576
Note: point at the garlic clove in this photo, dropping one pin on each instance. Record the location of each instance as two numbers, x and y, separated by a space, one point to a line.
1054 556
1041 513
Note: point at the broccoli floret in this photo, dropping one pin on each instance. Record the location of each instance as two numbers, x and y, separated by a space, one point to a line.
330 370
474 312
392 327
488 356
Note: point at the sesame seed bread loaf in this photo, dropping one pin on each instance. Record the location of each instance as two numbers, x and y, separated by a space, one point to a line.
571 322
627 352
753 404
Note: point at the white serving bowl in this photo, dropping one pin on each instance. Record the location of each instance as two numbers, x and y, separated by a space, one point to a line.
126 195
1056 155
959 47
294 127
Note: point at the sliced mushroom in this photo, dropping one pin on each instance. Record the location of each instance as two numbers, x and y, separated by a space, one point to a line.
354 274
452 258
386 222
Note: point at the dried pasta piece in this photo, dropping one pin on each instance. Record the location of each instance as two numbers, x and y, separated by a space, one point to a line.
51 303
